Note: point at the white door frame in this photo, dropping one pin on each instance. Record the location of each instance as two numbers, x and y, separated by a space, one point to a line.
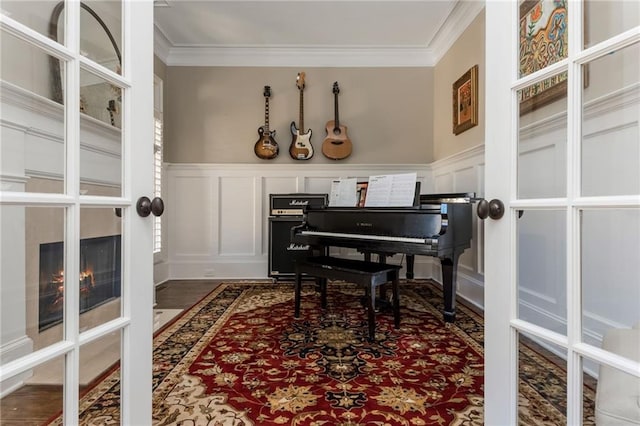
136 320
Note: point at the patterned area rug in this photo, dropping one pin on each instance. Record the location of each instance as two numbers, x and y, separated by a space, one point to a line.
238 357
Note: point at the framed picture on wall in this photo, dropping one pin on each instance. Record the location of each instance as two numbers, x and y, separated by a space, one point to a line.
465 101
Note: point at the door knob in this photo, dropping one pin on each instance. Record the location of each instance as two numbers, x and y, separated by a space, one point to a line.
493 209
157 206
144 206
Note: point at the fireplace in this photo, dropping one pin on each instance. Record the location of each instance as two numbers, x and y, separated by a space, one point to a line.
100 276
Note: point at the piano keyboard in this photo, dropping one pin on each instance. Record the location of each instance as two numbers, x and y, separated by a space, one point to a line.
369 237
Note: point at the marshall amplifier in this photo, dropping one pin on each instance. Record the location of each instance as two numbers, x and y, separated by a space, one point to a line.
294 204
283 253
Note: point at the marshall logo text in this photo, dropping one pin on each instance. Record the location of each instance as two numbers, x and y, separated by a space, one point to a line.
296 247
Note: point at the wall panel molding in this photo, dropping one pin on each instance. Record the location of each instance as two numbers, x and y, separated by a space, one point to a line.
218 226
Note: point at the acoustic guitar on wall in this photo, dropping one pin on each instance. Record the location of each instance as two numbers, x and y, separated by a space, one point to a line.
300 148
266 147
337 144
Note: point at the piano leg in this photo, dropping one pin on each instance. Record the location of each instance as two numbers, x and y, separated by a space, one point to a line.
382 259
410 263
370 294
323 292
449 280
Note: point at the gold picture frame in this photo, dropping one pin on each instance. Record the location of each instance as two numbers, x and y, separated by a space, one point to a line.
465 101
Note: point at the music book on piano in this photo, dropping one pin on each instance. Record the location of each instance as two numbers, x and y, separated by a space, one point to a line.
396 190
343 193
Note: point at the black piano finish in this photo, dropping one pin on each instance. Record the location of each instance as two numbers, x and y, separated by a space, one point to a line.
441 221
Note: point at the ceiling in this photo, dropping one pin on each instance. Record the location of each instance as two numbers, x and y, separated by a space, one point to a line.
309 32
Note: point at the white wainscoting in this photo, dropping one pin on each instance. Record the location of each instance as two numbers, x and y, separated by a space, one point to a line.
464 172
218 213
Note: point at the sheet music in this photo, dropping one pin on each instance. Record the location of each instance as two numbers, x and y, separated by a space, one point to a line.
343 193
391 190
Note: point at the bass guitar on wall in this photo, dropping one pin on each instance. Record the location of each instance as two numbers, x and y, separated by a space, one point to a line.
337 144
266 147
300 148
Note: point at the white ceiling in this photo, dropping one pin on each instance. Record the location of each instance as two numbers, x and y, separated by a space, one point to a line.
309 32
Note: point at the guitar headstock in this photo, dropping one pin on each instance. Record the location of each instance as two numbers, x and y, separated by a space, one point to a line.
300 80
267 91
336 89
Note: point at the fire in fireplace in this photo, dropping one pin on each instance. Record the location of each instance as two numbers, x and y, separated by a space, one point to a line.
100 276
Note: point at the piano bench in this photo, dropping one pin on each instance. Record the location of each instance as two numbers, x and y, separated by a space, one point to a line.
367 274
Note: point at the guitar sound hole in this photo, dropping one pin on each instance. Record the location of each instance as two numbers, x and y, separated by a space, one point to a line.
336 131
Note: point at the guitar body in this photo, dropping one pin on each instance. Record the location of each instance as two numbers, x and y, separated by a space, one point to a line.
337 144
266 147
300 148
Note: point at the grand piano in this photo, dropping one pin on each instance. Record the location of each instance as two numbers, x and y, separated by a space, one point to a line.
439 226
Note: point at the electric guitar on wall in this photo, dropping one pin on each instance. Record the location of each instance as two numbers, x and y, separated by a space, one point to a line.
337 144
266 147
300 148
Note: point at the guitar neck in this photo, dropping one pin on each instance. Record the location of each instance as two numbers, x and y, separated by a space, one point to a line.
266 115
301 111
337 120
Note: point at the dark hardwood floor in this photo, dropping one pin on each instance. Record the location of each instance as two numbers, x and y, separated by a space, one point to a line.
35 404
182 294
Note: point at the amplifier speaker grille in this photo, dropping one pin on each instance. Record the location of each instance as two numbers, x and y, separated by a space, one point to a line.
282 253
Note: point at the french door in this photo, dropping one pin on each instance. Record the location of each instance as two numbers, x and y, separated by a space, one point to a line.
563 156
76 153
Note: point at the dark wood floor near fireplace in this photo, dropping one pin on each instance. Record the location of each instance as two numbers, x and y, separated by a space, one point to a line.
35 404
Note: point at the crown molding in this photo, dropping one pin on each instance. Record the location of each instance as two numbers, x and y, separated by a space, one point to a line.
296 56
461 16
161 44
464 12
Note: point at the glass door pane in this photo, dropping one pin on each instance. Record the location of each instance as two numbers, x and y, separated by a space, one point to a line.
35 14
32 138
100 272
36 395
542 378
610 272
100 136
605 19
542 274
610 143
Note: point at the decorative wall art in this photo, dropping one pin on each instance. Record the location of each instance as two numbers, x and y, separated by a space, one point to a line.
543 42
465 101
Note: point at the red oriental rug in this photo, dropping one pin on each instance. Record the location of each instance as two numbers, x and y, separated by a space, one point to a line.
238 357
